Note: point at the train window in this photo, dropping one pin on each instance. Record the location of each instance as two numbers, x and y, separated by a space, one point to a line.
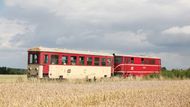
142 60
127 60
45 59
152 61
109 61
81 60
147 61
33 58
96 61
118 59
54 59
89 60
132 60
64 60
73 60
103 61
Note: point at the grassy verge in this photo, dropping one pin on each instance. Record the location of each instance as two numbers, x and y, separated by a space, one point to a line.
170 74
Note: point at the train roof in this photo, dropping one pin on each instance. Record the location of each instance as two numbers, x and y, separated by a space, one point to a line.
140 56
44 49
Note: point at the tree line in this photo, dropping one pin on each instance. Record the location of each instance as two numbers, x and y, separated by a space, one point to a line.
7 70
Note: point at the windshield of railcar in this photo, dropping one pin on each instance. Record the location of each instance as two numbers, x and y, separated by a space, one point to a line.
118 60
33 58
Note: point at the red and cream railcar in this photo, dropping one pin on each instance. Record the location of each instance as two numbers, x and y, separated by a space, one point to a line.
127 65
69 64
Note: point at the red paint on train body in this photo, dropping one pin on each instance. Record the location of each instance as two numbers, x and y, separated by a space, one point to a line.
127 65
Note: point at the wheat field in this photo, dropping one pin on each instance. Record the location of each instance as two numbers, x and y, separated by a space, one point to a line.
105 93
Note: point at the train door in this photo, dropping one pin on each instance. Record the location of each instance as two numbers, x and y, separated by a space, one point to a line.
125 66
46 61
159 65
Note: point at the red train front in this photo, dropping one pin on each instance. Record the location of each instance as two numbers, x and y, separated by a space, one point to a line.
126 65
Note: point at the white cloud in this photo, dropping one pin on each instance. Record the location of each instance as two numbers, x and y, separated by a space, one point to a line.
32 3
176 36
9 29
185 30
98 11
127 39
116 40
184 3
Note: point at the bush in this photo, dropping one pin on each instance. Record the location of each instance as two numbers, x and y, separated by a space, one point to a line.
171 74
181 74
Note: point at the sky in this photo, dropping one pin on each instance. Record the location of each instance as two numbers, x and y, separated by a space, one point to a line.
158 28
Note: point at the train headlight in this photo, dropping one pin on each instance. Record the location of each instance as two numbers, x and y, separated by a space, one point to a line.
29 68
36 69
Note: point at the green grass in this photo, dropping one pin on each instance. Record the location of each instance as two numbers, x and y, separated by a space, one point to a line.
170 74
181 74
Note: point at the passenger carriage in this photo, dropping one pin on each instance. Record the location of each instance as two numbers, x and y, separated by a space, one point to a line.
68 64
